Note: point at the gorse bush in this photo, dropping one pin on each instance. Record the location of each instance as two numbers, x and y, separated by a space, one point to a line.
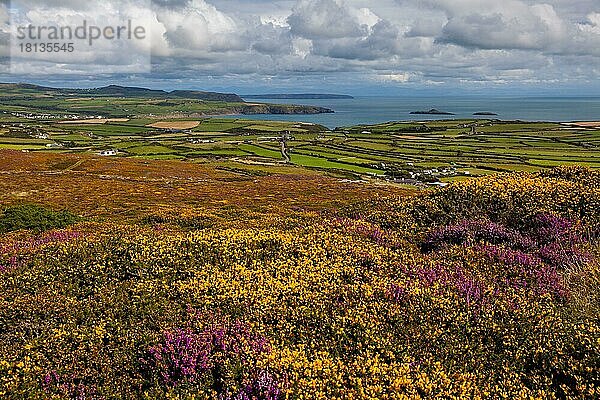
34 217
451 294
512 200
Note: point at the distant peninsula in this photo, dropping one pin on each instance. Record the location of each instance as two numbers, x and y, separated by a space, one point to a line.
299 96
485 113
433 111
126 92
142 101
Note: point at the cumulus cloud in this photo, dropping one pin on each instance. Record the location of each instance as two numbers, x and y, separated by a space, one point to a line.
4 12
397 77
426 27
173 4
319 19
101 56
513 24
534 27
4 17
199 26
272 39
592 25
395 41
4 37
380 42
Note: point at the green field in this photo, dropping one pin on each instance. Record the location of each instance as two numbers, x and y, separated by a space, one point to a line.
398 150
404 151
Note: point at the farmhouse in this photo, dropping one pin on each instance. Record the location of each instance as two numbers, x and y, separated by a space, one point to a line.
108 153
438 184
201 141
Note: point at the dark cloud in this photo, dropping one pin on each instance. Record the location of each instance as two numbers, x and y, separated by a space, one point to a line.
382 42
271 39
495 31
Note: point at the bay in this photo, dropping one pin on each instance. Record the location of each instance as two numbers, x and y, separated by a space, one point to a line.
374 110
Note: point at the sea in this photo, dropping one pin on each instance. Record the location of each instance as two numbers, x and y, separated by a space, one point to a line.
375 110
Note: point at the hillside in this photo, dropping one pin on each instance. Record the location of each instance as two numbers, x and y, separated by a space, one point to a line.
119 91
183 280
34 99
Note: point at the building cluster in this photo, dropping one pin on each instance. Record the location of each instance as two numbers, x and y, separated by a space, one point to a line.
201 141
23 130
431 176
45 116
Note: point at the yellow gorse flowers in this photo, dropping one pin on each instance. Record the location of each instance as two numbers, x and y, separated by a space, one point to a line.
440 295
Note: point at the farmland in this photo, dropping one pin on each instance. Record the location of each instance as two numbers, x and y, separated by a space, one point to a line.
432 151
135 278
184 125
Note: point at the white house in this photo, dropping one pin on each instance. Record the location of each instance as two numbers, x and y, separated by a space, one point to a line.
108 153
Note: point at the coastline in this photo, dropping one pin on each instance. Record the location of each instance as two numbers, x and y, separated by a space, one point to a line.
369 110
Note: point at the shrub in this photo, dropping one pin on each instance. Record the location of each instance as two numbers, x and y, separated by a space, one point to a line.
474 231
218 353
34 217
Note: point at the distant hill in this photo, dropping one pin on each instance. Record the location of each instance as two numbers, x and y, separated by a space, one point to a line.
124 91
297 96
140 102
208 96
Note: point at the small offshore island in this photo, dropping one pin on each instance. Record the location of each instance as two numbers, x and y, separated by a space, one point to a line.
433 111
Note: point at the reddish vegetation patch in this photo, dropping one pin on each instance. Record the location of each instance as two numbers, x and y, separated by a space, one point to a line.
124 188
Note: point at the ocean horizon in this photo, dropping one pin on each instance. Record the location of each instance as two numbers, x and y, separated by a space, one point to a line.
368 110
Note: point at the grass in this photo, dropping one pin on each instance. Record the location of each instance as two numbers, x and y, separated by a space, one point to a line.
20 147
161 157
261 151
150 150
317 162
392 147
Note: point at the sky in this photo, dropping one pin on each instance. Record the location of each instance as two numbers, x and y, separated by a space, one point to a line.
382 47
